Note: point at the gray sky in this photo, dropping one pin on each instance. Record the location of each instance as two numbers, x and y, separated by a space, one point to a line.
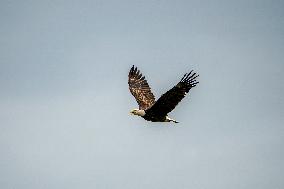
64 114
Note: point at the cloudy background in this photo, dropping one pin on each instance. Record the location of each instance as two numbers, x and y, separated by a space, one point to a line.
64 114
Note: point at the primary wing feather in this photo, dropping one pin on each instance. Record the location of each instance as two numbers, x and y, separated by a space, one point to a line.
140 89
168 101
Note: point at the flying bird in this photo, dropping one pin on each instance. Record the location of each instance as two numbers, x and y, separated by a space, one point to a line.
157 111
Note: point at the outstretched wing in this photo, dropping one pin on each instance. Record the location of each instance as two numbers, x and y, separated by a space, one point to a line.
168 101
140 89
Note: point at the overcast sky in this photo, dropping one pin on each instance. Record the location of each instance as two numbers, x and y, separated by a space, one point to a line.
64 114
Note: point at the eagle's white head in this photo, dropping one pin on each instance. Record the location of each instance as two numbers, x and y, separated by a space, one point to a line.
138 112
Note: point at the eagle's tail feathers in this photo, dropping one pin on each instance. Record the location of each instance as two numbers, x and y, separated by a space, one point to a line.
171 120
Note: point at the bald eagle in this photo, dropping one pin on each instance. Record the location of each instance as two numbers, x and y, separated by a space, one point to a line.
157 111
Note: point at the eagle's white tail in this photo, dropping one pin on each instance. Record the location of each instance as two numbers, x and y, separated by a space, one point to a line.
171 120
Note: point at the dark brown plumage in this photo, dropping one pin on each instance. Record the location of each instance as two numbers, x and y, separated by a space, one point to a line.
140 89
158 111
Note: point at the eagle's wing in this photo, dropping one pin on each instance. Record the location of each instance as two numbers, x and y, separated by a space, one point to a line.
168 101
140 89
